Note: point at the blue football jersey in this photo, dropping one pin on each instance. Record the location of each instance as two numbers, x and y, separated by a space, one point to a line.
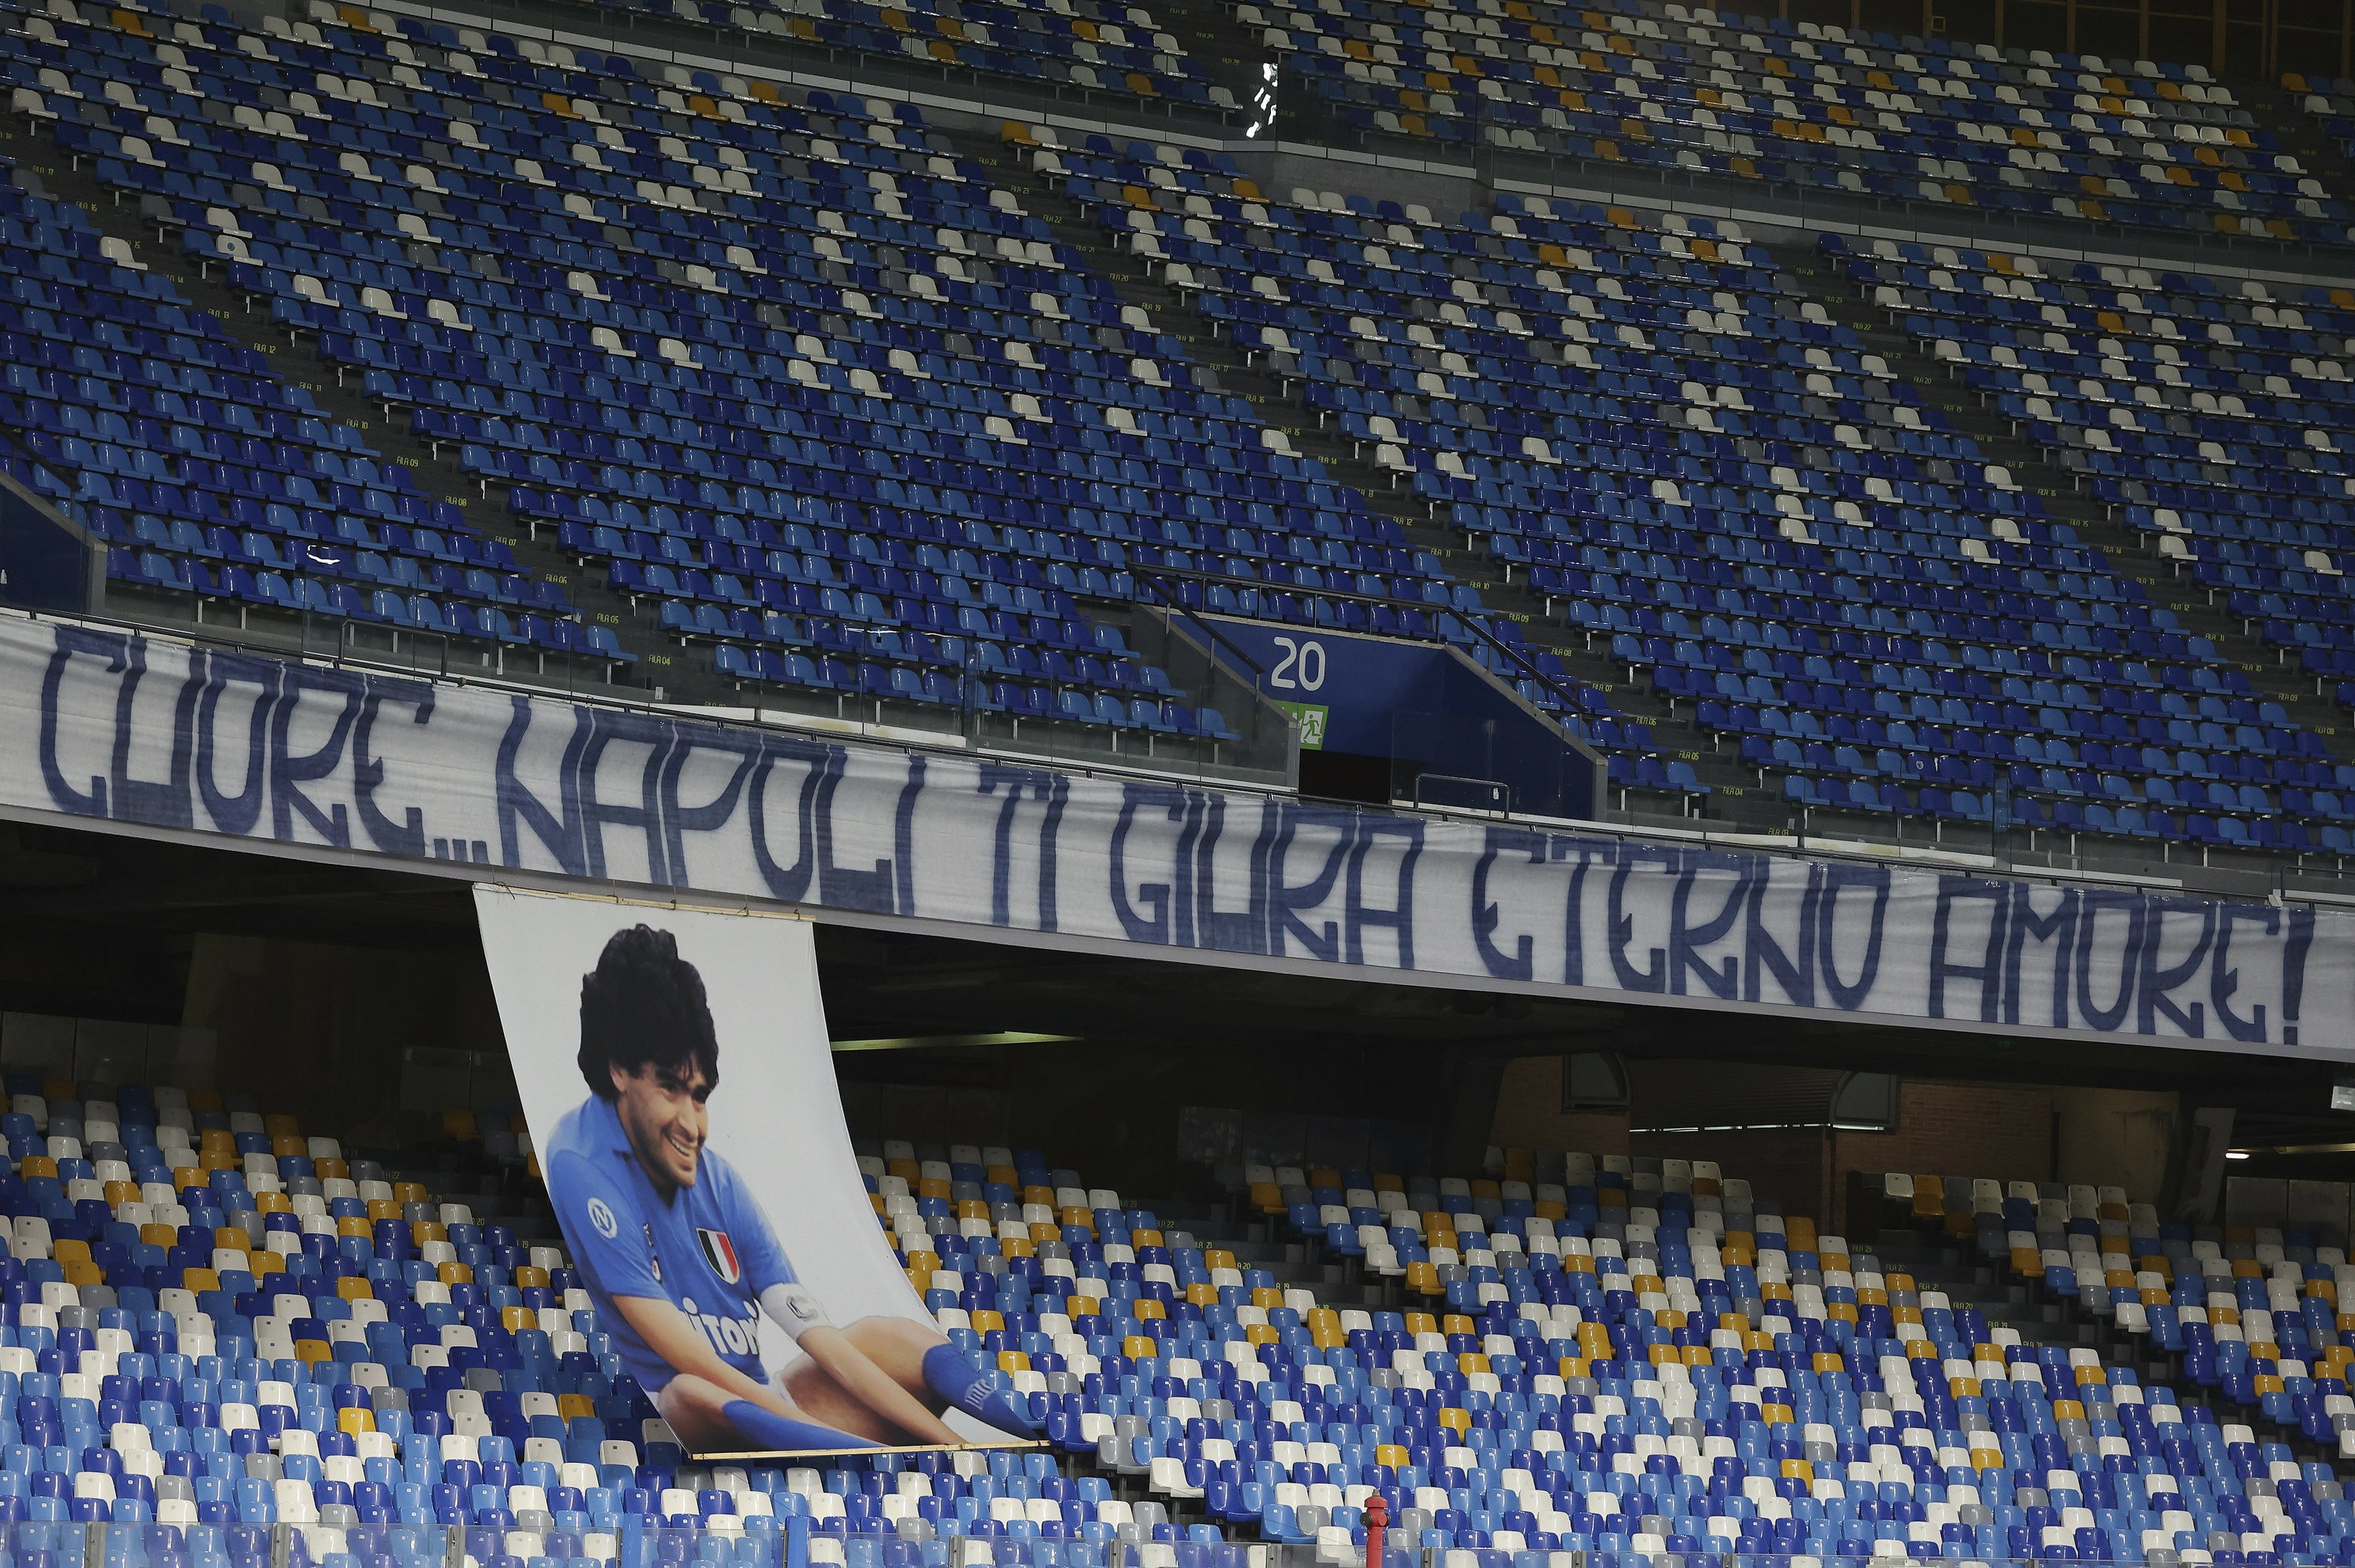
708 1250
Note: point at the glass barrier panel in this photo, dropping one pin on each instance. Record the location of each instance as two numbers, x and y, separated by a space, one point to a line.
800 1519
341 640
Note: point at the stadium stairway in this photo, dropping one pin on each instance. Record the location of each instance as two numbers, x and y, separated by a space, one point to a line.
1206 29
2271 673
1733 790
1294 1262
1940 1263
657 666
2279 110
1137 287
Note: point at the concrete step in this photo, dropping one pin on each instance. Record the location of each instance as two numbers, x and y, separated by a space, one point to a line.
1258 1242
1939 1264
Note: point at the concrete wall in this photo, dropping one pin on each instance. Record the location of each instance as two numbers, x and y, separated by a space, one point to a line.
1279 169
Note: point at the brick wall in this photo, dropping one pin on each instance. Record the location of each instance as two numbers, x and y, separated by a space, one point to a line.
1785 1164
1529 1114
1960 1129
1976 1128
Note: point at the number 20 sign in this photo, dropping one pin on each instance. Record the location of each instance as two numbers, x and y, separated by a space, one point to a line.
1302 666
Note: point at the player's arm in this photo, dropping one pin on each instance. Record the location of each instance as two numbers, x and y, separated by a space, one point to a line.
872 1386
595 1213
671 1335
797 1312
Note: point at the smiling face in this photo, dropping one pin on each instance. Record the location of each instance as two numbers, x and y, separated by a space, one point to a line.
662 1109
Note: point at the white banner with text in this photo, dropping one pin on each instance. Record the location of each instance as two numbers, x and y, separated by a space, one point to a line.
108 724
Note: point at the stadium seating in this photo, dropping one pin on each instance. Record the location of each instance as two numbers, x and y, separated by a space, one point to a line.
884 461
2330 101
2250 1313
217 1323
1316 1207
820 402
139 417
786 373
1716 481
1809 107
1089 47
1592 1377
2211 417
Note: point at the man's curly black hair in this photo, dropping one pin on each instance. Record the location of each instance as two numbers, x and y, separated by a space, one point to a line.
643 1006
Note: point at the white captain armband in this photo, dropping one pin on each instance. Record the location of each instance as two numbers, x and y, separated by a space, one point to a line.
795 1307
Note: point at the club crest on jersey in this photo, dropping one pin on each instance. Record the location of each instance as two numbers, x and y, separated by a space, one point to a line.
720 1252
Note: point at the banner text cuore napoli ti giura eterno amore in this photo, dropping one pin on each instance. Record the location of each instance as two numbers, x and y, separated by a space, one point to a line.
106 723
